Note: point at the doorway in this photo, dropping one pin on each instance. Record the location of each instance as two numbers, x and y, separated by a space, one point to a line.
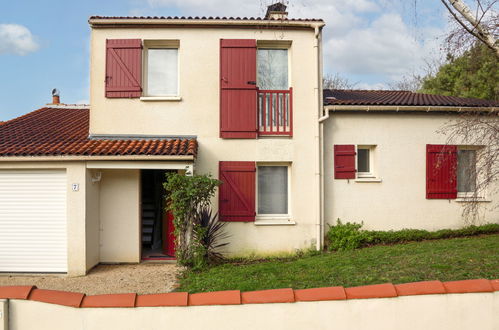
158 240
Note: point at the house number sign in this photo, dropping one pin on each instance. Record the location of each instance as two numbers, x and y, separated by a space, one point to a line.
75 186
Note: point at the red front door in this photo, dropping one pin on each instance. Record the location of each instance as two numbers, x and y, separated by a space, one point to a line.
168 234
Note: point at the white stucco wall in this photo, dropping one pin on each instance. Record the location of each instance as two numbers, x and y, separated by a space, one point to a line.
92 222
120 216
427 312
399 201
198 114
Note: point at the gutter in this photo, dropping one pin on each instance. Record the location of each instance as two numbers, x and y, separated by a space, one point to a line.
319 144
90 158
396 108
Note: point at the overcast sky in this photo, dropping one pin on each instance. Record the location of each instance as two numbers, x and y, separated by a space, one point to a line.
45 44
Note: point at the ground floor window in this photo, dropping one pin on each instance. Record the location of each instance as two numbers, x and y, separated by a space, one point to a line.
466 171
272 190
365 161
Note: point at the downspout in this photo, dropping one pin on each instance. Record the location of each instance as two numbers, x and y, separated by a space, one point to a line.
319 136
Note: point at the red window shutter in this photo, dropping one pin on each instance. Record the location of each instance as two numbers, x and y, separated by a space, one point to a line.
441 172
123 68
237 191
238 92
344 161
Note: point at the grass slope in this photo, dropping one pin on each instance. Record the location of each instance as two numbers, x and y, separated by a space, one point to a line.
445 260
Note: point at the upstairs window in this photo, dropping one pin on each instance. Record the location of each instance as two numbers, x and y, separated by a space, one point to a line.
161 73
255 94
272 69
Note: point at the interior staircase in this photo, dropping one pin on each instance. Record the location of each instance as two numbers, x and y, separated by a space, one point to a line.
149 209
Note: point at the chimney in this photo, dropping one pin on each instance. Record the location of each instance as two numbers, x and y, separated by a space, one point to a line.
55 96
276 11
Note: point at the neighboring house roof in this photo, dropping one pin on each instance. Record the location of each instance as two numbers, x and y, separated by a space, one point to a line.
399 98
203 18
62 131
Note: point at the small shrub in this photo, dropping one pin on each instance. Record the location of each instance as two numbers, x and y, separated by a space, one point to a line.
346 236
187 196
351 236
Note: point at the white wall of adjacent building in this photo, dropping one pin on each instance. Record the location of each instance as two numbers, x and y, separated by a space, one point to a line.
397 198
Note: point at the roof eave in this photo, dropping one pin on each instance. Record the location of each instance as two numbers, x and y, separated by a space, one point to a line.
113 22
48 158
397 108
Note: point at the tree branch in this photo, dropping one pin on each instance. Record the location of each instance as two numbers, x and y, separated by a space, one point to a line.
478 30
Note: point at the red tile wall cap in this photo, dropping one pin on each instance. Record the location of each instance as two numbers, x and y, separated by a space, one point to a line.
468 286
495 284
386 290
418 288
15 292
110 300
319 294
162 299
71 299
231 297
268 296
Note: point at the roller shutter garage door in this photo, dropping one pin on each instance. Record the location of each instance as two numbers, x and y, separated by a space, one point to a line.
33 234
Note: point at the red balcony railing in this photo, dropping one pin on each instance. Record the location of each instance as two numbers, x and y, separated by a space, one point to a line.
275 112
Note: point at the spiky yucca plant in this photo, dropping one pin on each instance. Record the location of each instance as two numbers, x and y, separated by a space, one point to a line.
213 235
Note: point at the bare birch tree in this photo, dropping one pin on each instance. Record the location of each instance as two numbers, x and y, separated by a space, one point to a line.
481 24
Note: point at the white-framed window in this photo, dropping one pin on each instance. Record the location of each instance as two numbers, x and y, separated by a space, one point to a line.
272 68
466 171
365 161
273 191
161 69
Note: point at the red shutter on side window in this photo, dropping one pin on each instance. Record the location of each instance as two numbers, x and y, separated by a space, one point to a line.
238 92
441 172
237 191
123 68
344 161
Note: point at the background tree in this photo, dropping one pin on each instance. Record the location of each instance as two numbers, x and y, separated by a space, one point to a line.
336 81
473 74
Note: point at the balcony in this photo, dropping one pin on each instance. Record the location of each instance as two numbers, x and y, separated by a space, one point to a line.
275 112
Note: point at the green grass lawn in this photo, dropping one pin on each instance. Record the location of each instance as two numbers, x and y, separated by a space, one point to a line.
444 260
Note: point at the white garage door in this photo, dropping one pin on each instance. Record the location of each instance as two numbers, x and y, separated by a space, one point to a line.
33 221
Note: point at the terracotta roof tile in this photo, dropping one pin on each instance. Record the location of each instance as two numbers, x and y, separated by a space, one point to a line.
64 132
110 300
162 299
215 18
72 299
16 292
231 297
398 98
268 296
318 294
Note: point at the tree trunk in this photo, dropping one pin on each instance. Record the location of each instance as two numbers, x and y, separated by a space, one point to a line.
478 30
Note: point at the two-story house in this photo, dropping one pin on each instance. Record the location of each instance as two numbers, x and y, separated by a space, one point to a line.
241 99
235 97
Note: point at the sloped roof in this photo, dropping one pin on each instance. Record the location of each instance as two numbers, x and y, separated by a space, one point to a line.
202 18
398 98
64 132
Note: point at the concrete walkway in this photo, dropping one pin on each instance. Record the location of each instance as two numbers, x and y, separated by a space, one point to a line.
138 278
